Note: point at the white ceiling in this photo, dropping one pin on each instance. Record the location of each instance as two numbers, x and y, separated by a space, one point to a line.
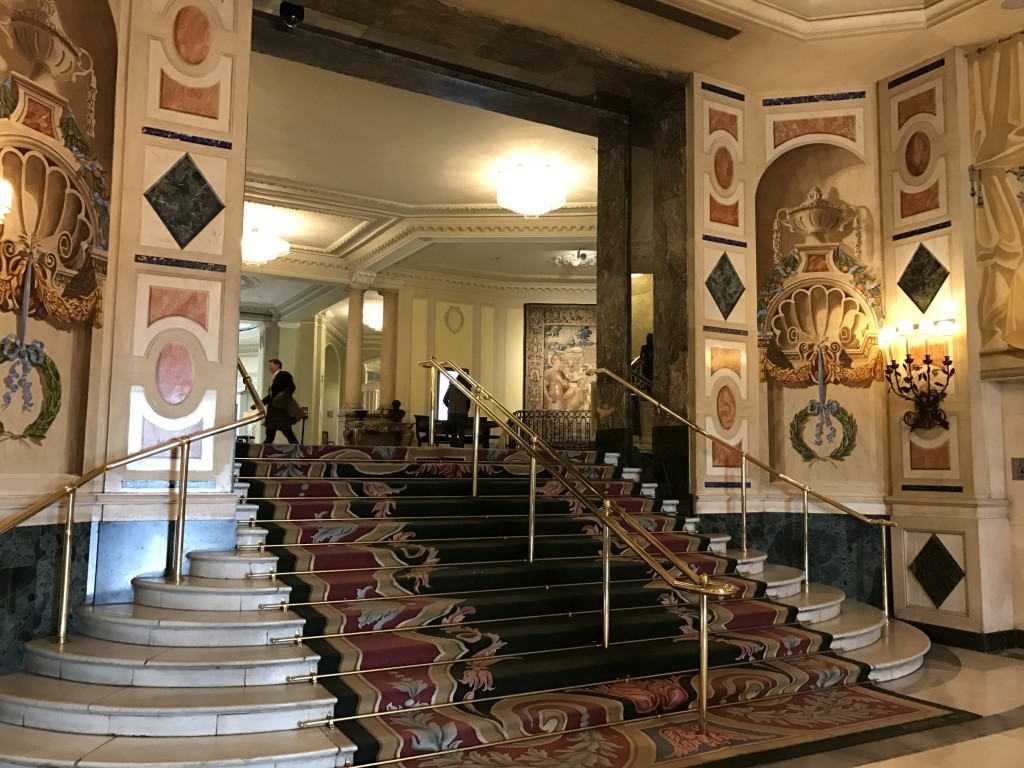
364 178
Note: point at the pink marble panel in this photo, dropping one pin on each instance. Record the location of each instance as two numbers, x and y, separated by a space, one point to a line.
723 121
725 406
937 457
175 373
844 126
178 302
154 435
39 117
724 457
178 97
723 213
918 104
192 35
919 153
725 169
725 358
913 203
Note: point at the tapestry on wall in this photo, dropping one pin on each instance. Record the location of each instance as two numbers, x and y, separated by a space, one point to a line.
561 344
55 155
818 317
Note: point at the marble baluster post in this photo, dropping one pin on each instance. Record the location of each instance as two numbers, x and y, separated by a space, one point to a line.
354 351
389 349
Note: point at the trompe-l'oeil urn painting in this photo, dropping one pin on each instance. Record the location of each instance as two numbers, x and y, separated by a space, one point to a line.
57 68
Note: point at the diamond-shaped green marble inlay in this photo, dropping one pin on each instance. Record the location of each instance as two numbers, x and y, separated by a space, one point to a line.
923 278
725 286
184 201
936 570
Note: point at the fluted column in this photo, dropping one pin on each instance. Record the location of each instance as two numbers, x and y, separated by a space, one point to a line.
389 349
354 351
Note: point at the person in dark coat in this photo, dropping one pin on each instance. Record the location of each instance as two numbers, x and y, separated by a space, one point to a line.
457 404
282 410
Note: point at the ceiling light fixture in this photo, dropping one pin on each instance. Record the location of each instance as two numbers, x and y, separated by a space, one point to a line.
532 188
576 259
259 247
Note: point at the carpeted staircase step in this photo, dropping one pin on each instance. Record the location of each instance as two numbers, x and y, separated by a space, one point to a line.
815 602
201 594
293 487
857 626
443 469
91 660
782 581
144 625
307 748
66 705
412 732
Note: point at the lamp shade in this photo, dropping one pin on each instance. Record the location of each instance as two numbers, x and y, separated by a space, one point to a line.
531 188
259 247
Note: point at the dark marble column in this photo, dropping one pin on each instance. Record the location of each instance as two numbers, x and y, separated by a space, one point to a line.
611 404
672 353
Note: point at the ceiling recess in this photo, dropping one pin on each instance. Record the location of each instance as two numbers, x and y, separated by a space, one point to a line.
678 16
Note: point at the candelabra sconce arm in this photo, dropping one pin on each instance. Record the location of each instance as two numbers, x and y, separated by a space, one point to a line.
923 385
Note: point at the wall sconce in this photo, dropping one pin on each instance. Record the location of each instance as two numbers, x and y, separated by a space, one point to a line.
6 199
923 383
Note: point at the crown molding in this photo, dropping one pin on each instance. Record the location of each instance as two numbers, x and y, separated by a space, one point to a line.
431 281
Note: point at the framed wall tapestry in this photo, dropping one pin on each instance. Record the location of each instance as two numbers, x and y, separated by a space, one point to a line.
561 343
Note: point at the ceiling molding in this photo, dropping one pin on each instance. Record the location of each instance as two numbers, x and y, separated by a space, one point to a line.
416 279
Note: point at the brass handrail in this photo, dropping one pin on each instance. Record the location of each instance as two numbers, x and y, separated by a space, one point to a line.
606 513
70 492
806 491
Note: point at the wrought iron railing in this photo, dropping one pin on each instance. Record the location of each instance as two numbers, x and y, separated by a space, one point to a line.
563 430
806 491
180 445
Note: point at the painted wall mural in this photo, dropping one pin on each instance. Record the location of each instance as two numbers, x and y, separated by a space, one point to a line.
55 152
819 312
561 343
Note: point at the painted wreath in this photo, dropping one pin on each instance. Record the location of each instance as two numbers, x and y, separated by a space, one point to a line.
25 358
840 452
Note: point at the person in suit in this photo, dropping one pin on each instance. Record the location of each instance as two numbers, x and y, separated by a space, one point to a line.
457 403
274 366
283 412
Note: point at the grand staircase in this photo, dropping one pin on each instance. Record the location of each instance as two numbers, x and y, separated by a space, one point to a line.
374 612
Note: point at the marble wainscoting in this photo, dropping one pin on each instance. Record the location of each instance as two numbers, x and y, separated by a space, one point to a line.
844 552
30 558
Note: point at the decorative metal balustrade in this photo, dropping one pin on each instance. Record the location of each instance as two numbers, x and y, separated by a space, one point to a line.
562 430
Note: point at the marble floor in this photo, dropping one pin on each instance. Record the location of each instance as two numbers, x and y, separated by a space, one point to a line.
989 685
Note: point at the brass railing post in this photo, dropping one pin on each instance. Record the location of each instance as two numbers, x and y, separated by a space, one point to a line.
185 447
65 578
702 692
884 529
807 540
533 500
476 442
432 405
606 579
743 501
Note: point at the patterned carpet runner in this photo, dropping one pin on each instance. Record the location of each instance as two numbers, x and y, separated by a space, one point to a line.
437 634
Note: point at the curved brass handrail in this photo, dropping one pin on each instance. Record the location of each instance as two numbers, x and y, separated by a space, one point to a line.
746 458
70 491
606 512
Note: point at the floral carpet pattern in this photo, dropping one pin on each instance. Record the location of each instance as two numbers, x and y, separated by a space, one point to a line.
438 635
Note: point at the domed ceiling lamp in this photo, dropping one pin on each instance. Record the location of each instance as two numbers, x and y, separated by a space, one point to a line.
578 258
532 188
261 247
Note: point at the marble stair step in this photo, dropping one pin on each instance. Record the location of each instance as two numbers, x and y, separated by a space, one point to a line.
202 594
240 488
900 651
146 625
816 603
782 580
91 660
307 748
249 535
857 626
717 542
750 562
245 512
48 704
230 564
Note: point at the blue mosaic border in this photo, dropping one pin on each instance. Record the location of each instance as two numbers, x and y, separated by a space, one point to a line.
937 64
186 137
930 488
163 485
163 261
723 484
783 101
923 230
712 88
730 331
723 241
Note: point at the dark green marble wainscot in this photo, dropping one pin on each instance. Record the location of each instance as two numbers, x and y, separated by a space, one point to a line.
844 552
30 558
